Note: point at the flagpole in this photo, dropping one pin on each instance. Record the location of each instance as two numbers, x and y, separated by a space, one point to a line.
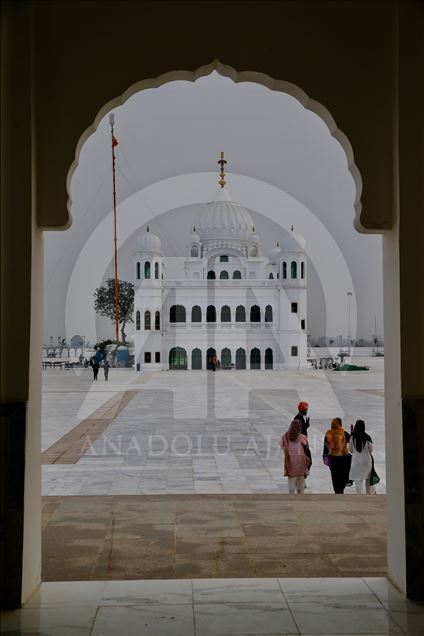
115 240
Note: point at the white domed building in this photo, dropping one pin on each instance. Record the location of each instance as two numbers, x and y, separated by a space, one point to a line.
232 302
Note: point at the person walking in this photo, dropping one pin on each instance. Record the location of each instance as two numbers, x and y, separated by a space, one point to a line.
106 367
360 447
301 416
95 367
296 462
336 455
304 420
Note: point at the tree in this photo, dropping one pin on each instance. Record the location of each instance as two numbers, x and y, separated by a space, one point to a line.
104 302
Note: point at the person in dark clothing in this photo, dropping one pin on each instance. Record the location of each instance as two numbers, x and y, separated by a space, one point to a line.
95 366
336 455
106 367
301 416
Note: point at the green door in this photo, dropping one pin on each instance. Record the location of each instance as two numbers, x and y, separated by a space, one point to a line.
196 359
255 359
178 358
225 358
240 358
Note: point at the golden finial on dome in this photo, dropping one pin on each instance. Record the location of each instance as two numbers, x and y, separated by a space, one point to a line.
222 162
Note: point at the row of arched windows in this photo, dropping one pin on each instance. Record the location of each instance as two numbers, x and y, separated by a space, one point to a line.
293 269
147 320
224 275
177 313
178 358
147 270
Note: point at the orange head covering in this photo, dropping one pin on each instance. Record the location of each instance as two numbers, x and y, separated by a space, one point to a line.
336 438
303 406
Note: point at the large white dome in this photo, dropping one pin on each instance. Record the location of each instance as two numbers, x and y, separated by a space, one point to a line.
223 218
149 242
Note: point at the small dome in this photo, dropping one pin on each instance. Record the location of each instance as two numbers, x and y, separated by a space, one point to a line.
275 252
293 242
223 218
149 242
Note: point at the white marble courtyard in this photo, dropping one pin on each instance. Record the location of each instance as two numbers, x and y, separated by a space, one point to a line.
201 432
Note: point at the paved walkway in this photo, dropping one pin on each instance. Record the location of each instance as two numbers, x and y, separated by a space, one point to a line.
198 432
202 536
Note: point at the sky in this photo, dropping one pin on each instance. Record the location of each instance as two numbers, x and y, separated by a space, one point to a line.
283 166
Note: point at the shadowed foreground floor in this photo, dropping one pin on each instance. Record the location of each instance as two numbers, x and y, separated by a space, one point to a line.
212 536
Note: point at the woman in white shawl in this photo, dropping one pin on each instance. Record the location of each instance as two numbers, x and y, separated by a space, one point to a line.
360 447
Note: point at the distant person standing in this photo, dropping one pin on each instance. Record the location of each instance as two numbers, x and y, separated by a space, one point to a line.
106 367
296 462
336 455
360 446
302 416
213 363
95 366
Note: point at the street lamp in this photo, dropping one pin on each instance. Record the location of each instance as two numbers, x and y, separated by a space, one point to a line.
349 294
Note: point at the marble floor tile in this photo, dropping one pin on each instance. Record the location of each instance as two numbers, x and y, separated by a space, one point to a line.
178 592
214 450
234 619
314 618
346 592
238 591
71 592
137 620
63 620
407 614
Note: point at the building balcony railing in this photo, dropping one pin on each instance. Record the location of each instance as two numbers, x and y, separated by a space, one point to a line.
221 325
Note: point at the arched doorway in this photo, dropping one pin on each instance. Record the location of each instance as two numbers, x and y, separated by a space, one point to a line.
225 358
269 358
240 358
209 355
211 313
383 128
196 359
178 358
255 358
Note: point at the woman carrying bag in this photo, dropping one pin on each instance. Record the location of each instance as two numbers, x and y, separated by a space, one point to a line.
361 469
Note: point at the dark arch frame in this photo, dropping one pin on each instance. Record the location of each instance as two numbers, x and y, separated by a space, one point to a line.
211 313
240 313
147 320
225 313
177 313
241 358
255 313
255 358
196 313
